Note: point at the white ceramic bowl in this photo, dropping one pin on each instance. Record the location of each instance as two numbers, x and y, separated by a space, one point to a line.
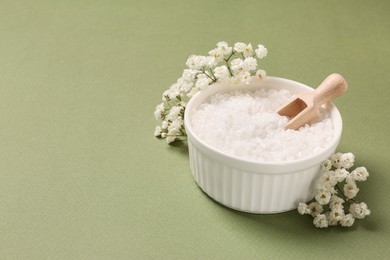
250 186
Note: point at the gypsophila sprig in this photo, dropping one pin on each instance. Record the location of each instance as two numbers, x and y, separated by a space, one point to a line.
335 201
224 63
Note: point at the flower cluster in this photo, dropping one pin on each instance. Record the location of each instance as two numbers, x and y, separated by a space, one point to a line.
224 63
330 203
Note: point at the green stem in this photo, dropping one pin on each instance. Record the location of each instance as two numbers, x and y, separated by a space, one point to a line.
204 71
233 52
213 78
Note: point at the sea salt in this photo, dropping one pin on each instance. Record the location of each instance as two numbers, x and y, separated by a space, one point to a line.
244 124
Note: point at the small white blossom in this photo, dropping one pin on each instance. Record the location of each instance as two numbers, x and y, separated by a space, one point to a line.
335 159
323 197
261 51
241 76
223 46
360 174
347 220
249 64
170 139
326 165
315 208
239 47
157 131
202 82
236 65
336 215
171 93
347 160
303 209
189 74
340 174
326 181
359 210
174 112
159 112
221 73
184 85
197 62
164 125
320 221
350 188
261 74
248 51
336 202
175 126
217 54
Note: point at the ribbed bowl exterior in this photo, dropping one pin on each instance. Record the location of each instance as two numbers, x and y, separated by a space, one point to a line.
250 186
255 192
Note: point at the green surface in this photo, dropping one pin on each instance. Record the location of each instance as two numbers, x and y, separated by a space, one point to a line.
81 174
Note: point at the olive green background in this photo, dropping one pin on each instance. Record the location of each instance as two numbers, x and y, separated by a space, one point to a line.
83 177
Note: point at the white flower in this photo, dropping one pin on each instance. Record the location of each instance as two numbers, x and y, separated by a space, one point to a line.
323 197
248 51
175 126
159 112
241 76
223 46
170 139
217 54
261 74
157 131
350 188
326 181
184 85
347 220
239 47
303 209
172 93
326 165
335 159
175 112
347 160
197 62
340 174
261 51
360 174
189 74
249 64
336 202
360 210
221 73
315 208
202 81
236 65
320 221
164 125
336 215
243 48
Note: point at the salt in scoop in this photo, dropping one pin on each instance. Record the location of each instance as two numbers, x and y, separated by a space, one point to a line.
304 107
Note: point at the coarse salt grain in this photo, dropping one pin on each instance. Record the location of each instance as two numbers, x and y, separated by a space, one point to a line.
245 124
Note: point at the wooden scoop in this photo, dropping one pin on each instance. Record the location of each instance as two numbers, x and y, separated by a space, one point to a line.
304 107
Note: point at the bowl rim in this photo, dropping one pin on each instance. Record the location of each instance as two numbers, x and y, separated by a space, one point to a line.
276 167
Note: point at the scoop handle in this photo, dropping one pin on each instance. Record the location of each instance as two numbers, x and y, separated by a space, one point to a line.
333 86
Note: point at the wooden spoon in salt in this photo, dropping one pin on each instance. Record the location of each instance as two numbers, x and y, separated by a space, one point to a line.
304 107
